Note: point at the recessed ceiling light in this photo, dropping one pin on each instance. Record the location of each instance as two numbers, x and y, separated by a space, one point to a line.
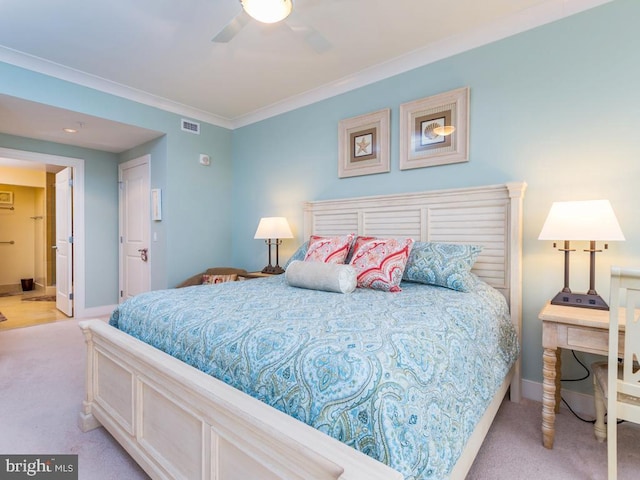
70 130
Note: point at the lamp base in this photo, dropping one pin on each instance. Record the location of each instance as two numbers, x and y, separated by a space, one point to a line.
277 270
583 300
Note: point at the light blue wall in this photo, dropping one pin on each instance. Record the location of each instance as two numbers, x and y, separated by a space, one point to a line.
194 232
557 107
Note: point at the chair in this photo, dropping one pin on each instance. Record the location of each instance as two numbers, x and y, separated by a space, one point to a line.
619 387
197 278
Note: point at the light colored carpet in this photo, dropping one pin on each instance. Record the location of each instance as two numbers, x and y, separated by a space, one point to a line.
41 391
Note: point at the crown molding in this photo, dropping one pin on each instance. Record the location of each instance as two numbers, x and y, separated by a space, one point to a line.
56 70
547 12
527 19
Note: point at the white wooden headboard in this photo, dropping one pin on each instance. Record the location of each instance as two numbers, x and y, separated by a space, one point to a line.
490 216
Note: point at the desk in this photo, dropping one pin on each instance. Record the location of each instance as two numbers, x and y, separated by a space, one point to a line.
574 328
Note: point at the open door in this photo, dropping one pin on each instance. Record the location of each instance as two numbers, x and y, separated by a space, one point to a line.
135 226
64 241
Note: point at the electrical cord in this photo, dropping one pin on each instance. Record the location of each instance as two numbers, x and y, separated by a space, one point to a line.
586 375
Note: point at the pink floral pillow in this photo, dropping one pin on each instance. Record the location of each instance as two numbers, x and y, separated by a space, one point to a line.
328 249
380 262
214 279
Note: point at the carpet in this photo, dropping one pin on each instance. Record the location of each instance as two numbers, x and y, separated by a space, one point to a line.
2 318
41 298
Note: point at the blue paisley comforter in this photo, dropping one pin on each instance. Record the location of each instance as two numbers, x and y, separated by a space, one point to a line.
402 377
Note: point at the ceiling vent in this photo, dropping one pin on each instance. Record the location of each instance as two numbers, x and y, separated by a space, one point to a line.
190 126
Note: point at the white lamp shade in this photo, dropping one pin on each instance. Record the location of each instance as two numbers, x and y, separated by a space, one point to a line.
581 220
273 227
267 11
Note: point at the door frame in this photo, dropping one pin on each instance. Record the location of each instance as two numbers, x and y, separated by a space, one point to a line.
77 164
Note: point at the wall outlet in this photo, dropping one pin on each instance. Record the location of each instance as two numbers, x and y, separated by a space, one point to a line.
205 159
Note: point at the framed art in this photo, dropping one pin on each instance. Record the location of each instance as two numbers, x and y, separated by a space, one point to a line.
426 138
363 144
6 198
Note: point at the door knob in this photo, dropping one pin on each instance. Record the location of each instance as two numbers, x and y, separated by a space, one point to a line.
144 254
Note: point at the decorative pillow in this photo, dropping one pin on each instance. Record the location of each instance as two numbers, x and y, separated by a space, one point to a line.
442 264
328 249
329 277
211 279
380 262
299 254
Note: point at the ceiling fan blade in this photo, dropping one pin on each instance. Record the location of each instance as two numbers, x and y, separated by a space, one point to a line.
317 41
232 28
311 36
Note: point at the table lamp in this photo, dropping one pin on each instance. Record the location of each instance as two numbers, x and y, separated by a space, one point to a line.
272 230
591 220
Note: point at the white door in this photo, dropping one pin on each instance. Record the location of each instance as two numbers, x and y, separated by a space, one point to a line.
64 241
135 225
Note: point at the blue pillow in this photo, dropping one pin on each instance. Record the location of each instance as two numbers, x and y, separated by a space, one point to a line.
442 264
299 254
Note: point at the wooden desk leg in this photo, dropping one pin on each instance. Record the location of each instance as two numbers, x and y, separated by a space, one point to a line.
550 391
558 379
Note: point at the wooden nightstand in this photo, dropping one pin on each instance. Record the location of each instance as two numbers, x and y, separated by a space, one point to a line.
258 275
574 328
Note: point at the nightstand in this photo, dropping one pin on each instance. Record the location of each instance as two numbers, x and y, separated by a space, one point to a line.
259 275
574 328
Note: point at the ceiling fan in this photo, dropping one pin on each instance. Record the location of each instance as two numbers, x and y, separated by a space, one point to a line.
272 11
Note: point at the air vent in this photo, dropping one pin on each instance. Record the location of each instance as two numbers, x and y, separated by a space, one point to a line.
190 126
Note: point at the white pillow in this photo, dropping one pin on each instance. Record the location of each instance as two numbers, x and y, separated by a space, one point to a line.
329 277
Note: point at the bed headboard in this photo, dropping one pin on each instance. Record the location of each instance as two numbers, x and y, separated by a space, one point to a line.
490 216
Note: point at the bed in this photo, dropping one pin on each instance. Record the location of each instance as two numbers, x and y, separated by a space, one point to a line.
180 422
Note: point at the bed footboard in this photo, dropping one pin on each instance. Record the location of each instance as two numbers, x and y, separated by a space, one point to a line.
178 422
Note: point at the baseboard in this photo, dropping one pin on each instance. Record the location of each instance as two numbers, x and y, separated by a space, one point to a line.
10 288
580 403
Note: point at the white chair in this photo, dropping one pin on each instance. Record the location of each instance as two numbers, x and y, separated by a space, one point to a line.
619 387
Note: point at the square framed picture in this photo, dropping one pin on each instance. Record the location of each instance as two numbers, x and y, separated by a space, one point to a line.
435 130
6 198
363 144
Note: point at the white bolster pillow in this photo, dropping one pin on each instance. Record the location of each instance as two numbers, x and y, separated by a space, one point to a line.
329 277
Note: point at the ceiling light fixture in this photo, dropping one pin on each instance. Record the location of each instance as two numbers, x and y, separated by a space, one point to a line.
74 130
267 11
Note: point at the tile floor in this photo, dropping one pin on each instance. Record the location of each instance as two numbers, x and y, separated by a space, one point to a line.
20 313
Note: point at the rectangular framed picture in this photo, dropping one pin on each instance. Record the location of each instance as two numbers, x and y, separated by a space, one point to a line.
435 130
6 198
363 144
